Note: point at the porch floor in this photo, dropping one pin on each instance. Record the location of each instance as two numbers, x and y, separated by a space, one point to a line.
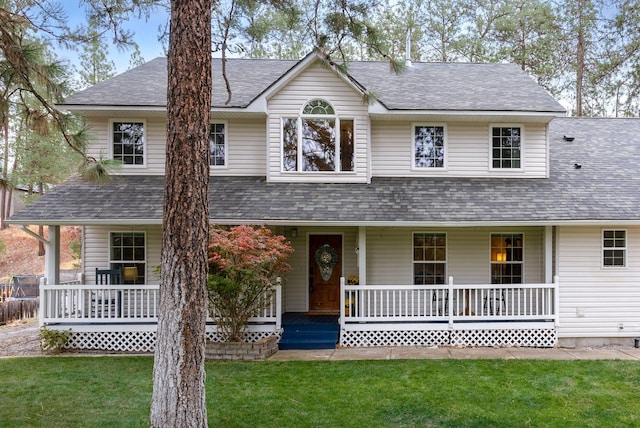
304 331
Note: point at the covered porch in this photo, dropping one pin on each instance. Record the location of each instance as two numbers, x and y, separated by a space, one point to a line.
450 315
123 318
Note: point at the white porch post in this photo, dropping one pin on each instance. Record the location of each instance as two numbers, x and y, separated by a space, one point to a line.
362 255
52 256
278 304
548 254
52 253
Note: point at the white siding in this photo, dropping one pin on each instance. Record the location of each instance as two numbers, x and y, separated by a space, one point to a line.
467 147
390 254
318 82
595 301
247 148
246 145
96 251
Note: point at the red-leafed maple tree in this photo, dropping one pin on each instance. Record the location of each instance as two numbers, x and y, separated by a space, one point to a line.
244 264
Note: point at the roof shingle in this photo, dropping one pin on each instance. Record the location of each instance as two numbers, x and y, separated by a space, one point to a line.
423 86
605 188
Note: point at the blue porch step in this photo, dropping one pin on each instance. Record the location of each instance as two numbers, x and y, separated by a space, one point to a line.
302 331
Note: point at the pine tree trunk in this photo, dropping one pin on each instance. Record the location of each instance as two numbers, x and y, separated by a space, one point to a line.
178 375
4 178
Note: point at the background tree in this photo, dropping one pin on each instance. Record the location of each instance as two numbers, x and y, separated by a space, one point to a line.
619 70
527 34
95 65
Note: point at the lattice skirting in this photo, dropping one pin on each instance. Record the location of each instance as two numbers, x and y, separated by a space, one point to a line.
534 338
394 338
115 341
133 341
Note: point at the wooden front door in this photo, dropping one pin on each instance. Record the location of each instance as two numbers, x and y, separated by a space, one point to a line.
325 269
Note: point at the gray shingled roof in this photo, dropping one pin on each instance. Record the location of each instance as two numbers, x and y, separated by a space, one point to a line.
423 86
605 188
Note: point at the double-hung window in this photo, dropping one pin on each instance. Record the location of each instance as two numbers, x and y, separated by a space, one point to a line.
128 251
507 262
128 142
317 140
217 147
429 258
506 147
428 146
614 248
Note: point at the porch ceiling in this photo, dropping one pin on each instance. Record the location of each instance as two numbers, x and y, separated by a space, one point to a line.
604 189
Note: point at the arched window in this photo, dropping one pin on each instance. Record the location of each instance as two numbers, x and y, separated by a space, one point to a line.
317 140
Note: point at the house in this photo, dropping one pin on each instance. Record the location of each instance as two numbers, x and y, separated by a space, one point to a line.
465 205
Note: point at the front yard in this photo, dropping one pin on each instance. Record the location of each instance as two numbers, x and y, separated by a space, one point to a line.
116 391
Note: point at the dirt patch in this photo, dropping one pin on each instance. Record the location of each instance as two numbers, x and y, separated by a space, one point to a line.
20 339
21 255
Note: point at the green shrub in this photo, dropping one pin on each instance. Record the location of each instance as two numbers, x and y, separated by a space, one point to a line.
53 340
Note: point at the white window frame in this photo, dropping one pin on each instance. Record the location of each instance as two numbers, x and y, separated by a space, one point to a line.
226 144
146 251
424 262
336 117
445 147
493 263
145 140
623 249
522 144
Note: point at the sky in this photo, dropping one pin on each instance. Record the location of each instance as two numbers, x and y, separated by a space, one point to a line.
145 35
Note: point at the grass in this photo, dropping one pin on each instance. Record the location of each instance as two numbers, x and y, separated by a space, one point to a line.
116 391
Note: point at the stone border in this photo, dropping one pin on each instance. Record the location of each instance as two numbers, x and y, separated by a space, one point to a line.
242 351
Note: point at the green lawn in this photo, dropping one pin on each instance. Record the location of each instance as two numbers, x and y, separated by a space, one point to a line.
116 392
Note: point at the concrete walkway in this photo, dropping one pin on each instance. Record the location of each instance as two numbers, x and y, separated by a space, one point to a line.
439 353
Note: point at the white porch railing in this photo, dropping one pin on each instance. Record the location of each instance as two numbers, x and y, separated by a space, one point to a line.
450 303
121 304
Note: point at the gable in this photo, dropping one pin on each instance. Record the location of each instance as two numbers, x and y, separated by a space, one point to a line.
316 82
287 102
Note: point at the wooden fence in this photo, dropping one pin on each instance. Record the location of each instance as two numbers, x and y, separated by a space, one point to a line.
14 310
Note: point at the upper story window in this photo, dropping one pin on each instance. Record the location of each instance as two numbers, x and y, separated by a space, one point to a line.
614 248
507 261
217 148
428 146
506 147
128 142
317 140
429 258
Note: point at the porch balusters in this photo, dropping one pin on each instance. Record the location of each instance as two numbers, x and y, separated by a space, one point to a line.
452 303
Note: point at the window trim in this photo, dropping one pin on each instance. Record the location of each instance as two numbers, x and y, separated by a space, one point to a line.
226 145
446 255
337 118
445 130
495 262
624 249
111 261
145 142
492 126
